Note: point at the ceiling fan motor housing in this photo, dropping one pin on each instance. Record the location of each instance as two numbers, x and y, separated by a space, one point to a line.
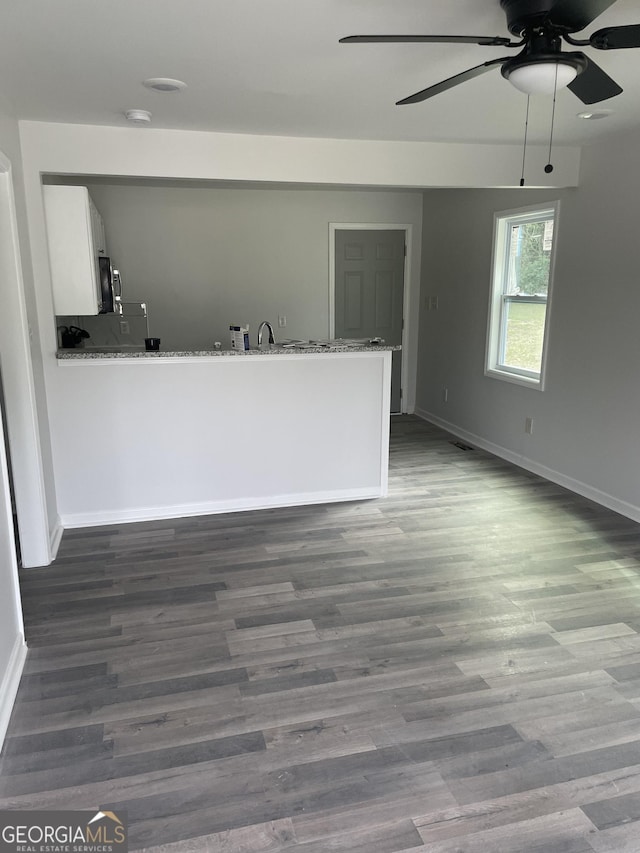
523 15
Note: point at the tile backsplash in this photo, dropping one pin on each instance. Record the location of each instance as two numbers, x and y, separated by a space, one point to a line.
109 330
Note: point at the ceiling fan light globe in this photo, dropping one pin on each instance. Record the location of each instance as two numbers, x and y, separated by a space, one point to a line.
539 78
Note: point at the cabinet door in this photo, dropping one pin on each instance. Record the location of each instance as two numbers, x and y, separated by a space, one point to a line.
73 250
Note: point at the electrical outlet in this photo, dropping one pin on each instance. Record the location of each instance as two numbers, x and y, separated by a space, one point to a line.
433 303
282 321
124 327
445 395
528 425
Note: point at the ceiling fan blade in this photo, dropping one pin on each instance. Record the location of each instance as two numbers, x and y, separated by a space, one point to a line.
484 40
594 85
613 38
450 82
577 14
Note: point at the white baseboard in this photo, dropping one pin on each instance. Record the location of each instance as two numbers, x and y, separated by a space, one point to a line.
584 489
91 519
10 682
55 536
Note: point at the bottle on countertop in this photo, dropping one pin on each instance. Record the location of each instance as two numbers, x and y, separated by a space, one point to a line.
239 337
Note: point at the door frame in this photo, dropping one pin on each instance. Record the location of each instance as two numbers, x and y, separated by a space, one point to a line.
407 331
36 545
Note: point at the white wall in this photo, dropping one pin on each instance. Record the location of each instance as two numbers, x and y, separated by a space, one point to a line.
204 257
126 151
586 420
12 647
22 394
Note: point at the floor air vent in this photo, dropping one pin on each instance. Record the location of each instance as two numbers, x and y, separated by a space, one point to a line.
461 446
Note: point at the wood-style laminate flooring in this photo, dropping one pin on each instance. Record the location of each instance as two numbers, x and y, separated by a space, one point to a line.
455 667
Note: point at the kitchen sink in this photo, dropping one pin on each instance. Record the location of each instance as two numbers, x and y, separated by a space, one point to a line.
350 343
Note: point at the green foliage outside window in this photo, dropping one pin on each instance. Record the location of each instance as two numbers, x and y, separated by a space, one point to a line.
530 261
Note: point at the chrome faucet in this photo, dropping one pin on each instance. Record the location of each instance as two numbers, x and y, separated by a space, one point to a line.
264 323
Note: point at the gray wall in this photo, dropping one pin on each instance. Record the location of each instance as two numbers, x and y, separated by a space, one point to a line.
586 420
204 257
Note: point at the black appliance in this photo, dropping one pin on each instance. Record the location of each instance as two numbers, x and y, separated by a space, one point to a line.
72 336
110 287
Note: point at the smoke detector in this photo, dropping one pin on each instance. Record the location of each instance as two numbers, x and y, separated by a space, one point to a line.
164 84
138 116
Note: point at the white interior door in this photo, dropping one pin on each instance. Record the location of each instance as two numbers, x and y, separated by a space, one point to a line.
369 291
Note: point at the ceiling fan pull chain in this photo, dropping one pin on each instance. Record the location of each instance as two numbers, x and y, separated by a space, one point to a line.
549 168
524 147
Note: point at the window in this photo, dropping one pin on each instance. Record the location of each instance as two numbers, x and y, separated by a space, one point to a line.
523 251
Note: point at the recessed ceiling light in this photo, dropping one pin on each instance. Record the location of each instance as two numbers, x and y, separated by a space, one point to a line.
591 115
164 84
138 116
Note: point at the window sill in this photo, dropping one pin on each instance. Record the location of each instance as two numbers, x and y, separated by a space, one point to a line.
514 378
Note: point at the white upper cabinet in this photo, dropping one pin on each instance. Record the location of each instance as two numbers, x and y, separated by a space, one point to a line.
75 233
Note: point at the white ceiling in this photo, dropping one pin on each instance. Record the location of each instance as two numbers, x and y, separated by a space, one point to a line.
275 67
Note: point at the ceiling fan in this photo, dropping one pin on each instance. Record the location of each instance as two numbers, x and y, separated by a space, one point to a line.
541 66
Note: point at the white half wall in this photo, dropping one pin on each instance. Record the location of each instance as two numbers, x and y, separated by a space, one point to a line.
585 422
166 437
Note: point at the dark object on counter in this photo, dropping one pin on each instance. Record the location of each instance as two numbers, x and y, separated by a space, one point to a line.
152 344
72 336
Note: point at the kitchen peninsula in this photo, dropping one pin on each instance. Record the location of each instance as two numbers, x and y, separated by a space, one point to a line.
165 434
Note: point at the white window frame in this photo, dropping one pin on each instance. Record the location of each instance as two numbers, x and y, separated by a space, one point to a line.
502 223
